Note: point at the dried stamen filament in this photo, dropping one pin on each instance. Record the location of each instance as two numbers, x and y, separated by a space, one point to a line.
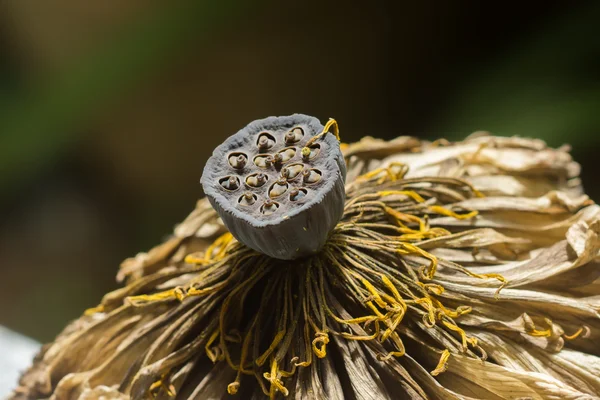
230 183
311 175
256 180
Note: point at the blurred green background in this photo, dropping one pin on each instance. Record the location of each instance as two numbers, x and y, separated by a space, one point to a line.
109 109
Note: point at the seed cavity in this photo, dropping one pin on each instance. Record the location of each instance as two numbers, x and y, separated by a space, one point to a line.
238 160
294 135
287 154
278 188
265 141
229 183
247 199
297 193
292 171
308 153
311 175
256 180
263 160
269 207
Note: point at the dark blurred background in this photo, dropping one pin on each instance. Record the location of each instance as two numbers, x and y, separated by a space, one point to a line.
109 109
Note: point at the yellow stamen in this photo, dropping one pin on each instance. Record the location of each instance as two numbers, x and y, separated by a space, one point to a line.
276 383
442 364
144 299
533 331
576 334
444 211
332 123
168 388
426 302
321 339
461 332
407 248
410 193
388 283
233 387
207 348
432 288
350 336
222 244
387 172
499 277
374 293
386 334
261 360
94 310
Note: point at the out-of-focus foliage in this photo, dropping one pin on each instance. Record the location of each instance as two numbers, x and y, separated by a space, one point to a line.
108 110
545 85
41 119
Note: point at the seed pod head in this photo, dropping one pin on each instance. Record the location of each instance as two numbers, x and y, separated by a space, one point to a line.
273 193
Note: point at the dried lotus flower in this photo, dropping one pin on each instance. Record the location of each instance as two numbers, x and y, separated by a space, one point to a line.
462 270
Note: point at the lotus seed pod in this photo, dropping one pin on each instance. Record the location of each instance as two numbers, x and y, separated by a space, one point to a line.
277 188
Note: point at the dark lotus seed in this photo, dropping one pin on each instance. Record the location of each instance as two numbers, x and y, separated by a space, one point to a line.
277 158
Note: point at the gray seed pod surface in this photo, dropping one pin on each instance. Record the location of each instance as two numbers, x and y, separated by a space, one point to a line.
273 194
